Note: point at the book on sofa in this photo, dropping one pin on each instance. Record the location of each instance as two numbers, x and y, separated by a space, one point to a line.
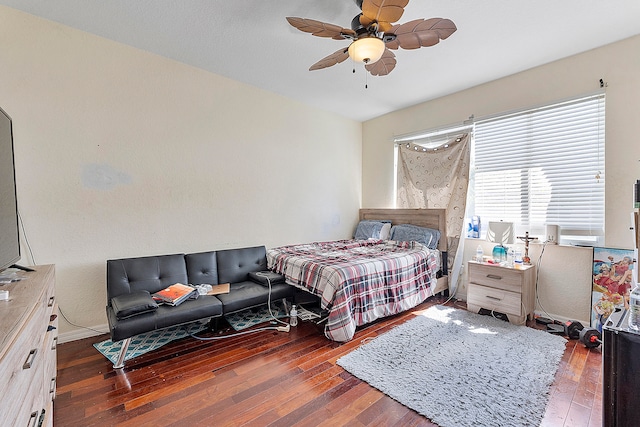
175 294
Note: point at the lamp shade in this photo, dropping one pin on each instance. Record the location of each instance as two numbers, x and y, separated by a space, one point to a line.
366 50
500 232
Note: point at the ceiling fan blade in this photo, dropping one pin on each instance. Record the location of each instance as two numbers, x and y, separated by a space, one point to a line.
321 29
384 12
333 59
421 33
382 26
384 65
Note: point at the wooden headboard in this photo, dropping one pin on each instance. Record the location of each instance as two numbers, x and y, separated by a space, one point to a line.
431 218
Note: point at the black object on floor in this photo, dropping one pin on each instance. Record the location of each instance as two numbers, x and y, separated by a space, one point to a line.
495 314
543 320
553 328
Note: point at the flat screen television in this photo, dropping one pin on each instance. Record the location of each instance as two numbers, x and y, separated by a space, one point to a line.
9 234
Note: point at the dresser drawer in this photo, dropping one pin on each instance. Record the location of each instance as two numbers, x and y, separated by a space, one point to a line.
31 400
499 300
23 370
493 276
19 363
28 350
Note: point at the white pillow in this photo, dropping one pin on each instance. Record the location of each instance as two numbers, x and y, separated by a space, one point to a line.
385 231
371 229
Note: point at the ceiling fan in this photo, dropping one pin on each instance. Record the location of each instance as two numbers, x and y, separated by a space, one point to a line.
372 35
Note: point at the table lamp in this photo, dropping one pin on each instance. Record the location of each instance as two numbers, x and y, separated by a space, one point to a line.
501 233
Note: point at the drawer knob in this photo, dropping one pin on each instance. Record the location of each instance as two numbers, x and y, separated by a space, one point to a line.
493 298
494 276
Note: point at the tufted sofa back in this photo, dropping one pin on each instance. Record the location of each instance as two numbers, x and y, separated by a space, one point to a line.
234 265
153 273
202 268
144 273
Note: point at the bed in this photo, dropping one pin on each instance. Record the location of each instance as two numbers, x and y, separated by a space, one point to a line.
359 281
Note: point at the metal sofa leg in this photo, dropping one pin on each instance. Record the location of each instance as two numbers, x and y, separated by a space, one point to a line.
123 351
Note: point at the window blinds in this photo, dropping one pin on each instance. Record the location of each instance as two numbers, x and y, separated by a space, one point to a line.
544 166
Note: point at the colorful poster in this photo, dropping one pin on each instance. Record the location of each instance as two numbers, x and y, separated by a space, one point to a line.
612 282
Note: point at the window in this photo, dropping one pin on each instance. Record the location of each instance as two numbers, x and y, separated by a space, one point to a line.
543 166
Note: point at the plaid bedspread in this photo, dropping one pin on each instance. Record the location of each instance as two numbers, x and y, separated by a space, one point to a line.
359 281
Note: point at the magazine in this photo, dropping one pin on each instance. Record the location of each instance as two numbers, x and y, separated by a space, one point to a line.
175 294
222 288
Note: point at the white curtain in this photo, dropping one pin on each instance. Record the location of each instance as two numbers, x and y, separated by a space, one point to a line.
437 177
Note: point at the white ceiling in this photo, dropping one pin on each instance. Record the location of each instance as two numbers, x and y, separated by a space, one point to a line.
250 41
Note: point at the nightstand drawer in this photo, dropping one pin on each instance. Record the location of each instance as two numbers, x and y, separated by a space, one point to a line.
493 276
495 299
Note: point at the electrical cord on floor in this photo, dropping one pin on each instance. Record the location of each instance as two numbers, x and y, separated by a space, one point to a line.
285 328
266 276
322 320
237 334
453 296
458 282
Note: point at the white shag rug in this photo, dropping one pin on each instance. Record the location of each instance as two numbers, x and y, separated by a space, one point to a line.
459 368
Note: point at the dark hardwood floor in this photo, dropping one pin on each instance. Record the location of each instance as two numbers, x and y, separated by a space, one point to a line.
271 378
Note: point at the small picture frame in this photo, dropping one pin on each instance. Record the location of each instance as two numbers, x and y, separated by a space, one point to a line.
612 274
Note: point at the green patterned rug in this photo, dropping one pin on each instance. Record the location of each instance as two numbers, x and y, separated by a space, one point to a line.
144 343
248 318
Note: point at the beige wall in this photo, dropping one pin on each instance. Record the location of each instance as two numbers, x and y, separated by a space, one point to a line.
123 153
564 280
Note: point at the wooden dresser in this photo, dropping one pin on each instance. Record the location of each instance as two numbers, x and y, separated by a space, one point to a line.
502 289
28 339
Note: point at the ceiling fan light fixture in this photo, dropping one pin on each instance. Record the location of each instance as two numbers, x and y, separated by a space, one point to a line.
366 50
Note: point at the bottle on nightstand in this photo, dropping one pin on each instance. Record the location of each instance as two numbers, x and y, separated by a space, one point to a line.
511 256
517 261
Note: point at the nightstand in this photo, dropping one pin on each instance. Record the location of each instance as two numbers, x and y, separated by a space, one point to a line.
502 289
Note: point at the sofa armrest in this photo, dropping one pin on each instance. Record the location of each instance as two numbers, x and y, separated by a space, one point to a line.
266 277
132 304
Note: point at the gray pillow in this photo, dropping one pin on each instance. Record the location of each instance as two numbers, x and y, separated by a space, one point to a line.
413 233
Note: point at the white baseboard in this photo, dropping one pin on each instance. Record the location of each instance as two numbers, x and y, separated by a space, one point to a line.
82 333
